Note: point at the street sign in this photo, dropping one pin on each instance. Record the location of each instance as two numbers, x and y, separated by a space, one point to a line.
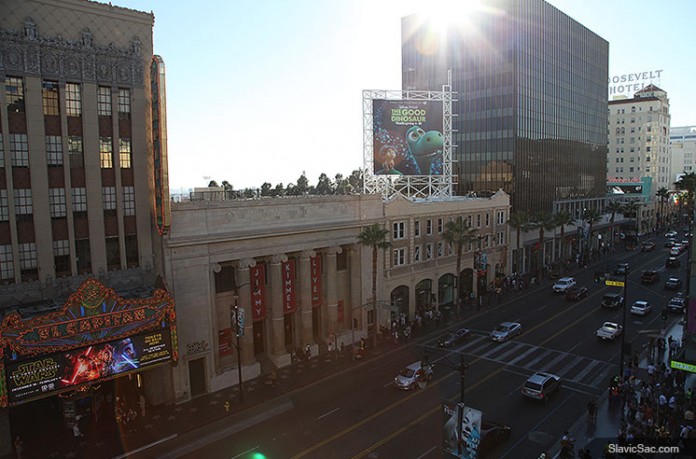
613 283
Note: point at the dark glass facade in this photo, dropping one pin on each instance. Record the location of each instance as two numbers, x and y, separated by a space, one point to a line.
531 83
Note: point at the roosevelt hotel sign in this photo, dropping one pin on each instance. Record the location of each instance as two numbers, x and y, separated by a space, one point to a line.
628 84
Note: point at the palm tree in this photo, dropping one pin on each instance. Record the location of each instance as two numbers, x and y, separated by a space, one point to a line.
458 233
663 195
631 208
519 221
687 183
563 219
543 221
376 237
591 216
613 207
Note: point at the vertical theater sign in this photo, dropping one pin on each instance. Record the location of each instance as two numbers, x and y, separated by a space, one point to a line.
96 335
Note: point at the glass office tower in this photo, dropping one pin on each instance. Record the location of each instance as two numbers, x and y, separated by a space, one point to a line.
531 83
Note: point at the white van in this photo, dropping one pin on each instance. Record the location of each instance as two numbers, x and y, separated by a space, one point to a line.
409 377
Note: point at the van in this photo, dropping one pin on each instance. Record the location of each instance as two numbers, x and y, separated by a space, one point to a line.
612 300
409 377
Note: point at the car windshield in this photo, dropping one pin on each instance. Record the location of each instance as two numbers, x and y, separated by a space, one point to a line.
610 326
407 373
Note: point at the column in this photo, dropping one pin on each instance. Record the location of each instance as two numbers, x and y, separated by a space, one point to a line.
356 309
279 354
244 302
305 316
331 289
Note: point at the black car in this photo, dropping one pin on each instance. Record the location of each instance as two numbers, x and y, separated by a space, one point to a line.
670 243
673 283
576 293
672 262
454 338
621 269
649 277
493 434
647 246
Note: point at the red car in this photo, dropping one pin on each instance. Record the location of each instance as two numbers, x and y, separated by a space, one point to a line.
576 293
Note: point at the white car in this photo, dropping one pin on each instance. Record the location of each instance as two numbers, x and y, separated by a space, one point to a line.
409 377
669 234
609 331
675 250
563 284
641 308
505 331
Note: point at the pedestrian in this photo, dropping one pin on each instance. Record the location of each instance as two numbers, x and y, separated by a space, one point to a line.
141 402
76 427
19 447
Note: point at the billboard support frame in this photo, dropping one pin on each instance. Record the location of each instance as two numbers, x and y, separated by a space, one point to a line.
408 186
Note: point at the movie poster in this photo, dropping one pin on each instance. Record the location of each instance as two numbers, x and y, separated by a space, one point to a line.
466 445
407 137
64 370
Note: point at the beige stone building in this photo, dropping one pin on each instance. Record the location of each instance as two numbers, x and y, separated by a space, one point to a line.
294 265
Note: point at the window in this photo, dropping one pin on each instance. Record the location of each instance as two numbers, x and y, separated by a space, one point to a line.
2 152
79 199
124 104
75 151
56 202
103 101
19 150
14 94
417 254
488 219
27 256
113 254
429 227
440 249
478 220
501 217
416 227
50 98
501 238
440 224
82 255
398 230
429 251
124 153
128 200
73 99
61 258
132 251
4 207
109 197
399 257
54 150
23 202
106 151
6 263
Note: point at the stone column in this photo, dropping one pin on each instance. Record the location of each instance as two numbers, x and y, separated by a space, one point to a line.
244 302
331 289
278 354
356 310
305 287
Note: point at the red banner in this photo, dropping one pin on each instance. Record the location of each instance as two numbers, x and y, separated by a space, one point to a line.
315 280
257 279
225 342
288 269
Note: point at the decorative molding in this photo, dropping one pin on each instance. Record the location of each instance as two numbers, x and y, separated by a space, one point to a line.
197 347
246 263
334 250
31 53
306 254
278 258
216 267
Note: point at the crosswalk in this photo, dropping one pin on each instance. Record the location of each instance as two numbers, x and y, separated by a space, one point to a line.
578 369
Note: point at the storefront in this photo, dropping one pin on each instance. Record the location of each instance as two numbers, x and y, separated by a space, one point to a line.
98 351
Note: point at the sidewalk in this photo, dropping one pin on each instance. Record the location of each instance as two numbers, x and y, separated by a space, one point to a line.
595 436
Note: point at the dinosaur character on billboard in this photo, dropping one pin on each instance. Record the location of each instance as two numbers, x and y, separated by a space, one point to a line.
425 147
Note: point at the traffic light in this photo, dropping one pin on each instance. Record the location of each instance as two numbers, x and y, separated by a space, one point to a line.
664 314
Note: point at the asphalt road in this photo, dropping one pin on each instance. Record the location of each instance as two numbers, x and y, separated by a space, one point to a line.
360 414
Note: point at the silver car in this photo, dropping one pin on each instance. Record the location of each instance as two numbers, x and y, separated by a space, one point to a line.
506 331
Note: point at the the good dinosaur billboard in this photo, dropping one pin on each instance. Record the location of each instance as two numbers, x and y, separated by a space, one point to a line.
407 137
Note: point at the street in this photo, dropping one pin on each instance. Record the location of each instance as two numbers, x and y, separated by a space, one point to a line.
360 414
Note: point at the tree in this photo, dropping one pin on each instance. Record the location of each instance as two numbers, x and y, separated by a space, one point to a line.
632 208
229 191
563 219
687 182
663 196
266 189
356 180
278 190
613 207
212 184
458 233
302 184
520 222
324 185
376 237
591 216
542 221
342 185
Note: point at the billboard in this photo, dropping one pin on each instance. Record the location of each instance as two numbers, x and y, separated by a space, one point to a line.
466 445
407 136
40 376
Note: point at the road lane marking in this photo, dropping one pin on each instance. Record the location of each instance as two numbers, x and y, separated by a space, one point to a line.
326 414
427 452
245 452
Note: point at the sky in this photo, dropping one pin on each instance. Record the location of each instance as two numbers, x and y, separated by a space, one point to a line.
266 90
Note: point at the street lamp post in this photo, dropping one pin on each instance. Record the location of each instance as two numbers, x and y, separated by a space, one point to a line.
238 327
623 338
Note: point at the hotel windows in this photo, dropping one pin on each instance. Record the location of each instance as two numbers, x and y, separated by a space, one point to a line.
61 258
429 227
57 202
124 104
14 94
79 199
75 151
416 228
429 251
106 153
129 200
399 257
109 197
440 224
417 254
440 249
4 207
124 153
103 101
23 202
73 99
50 98
398 230
27 261
19 150
54 150
501 217
6 263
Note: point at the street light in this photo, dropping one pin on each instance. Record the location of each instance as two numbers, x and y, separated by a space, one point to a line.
623 338
237 323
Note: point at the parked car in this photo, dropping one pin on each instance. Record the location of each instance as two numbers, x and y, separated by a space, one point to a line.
670 234
621 269
609 331
641 308
673 283
454 338
672 262
677 304
409 377
647 246
506 331
540 386
612 300
563 284
649 277
576 293
493 434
